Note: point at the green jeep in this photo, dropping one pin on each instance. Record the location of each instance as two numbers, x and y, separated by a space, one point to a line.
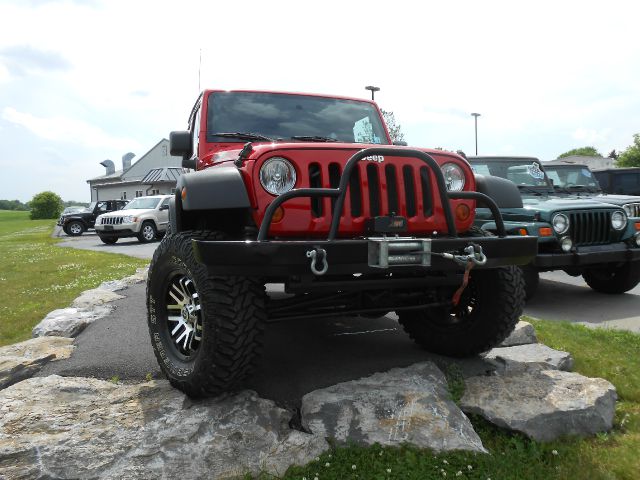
582 236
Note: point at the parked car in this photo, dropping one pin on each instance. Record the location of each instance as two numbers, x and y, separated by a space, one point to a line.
76 223
144 217
624 181
309 191
581 236
574 179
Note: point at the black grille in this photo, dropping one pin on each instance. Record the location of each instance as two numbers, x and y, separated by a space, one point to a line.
590 228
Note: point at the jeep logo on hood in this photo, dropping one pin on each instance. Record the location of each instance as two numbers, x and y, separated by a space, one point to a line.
374 158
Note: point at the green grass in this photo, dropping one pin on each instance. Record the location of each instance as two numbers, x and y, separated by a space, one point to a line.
609 354
37 277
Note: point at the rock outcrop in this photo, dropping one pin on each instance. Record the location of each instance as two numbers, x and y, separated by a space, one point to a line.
542 404
523 334
402 405
55 427
23 360
528 357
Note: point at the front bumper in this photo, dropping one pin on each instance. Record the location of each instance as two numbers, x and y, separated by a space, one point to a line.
591 255
121 230
290 257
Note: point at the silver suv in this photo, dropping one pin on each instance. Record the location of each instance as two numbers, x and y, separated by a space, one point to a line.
144 217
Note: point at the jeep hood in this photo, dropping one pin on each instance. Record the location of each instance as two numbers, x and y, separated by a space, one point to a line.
123 213
550 204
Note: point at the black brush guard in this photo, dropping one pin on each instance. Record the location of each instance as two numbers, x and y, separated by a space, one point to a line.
278 258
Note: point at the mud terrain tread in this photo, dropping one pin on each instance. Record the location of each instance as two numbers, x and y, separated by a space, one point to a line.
489 330
233 322
613 282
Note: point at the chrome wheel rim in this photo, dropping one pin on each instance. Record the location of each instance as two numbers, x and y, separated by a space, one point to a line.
184 319
75 228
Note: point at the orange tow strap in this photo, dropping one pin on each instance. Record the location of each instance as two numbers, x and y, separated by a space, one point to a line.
465 281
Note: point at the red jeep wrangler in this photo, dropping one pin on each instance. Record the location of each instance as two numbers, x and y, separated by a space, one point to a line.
308 191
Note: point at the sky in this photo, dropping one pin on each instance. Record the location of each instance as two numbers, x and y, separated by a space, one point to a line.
85 81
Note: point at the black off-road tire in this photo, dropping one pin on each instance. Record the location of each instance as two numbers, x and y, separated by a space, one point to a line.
531 278
489 310
148 232
231 316
108 240
613 279
74 229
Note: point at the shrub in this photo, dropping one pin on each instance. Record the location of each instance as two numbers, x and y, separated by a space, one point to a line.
45 205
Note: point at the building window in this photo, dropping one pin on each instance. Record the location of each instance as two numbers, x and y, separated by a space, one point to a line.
155 191
139 193
124 196
164 150
173 190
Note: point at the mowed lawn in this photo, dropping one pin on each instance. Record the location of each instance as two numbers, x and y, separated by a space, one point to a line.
37 277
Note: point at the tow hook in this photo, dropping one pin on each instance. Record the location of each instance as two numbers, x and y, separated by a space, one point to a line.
318 256
474 256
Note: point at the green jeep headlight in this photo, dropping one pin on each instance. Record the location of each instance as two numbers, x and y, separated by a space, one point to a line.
560 223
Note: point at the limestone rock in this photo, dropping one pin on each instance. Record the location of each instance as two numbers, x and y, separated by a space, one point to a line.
402 405
69 322
97 296
527 357
543 404
23 360
523 334
115 285
55 427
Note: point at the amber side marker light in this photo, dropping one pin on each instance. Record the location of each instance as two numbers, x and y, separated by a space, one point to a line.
545 232
183 194
523 232
462 212
637 224
277 215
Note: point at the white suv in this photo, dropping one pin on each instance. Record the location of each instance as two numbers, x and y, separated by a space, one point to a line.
144 217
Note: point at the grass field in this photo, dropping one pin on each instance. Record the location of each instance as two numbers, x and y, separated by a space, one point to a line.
36 276
616 455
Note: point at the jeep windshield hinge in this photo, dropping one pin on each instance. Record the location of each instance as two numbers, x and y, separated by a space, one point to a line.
244 153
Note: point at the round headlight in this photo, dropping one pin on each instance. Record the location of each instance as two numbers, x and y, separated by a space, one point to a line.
566 244
560 223
453 177
618 220
277 176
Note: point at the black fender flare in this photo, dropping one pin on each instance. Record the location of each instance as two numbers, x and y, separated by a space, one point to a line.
215 188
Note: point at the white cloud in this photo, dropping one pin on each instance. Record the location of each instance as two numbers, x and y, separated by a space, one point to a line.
68 130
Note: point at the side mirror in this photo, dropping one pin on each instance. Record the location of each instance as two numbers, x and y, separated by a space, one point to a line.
400 143
180 146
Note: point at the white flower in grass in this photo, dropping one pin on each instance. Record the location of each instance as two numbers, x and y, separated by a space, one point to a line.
554 452
353 467
327 464
388 470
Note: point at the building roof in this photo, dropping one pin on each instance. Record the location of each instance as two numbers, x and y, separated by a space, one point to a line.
166 174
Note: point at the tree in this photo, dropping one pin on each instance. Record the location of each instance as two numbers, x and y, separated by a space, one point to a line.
613 154
12 205
45 205
394 128
583 152
631 156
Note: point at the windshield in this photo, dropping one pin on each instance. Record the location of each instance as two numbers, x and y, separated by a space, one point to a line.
282 116
527 173
142 203
578 176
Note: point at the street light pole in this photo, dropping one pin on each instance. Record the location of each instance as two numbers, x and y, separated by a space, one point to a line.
476 115
373 90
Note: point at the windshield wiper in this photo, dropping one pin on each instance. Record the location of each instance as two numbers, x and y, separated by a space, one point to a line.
314 138
529 189
243 136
